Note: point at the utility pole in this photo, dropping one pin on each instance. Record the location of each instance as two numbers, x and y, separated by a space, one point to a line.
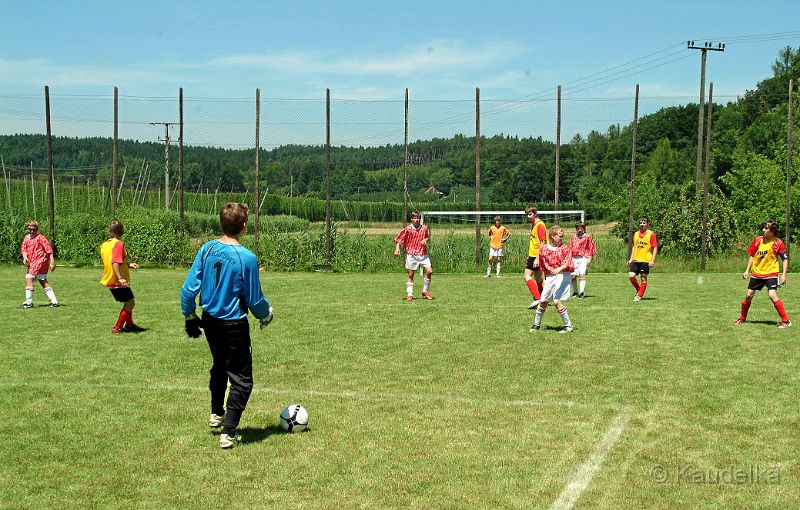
166 141
704 49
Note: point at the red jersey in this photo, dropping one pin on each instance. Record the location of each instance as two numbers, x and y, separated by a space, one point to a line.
38 250
582 246
551 257
411 239
765 256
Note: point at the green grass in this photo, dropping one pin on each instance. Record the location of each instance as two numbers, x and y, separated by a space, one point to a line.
443 404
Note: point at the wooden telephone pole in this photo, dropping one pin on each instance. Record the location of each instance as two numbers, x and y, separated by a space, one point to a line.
704 49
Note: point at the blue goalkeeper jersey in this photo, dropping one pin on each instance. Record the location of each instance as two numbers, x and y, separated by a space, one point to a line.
226 277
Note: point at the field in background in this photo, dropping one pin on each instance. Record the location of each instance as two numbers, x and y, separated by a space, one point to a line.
443 404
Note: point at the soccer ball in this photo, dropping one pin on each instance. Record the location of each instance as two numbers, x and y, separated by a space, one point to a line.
294 418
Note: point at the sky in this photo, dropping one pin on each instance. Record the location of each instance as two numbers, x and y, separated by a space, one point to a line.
373 50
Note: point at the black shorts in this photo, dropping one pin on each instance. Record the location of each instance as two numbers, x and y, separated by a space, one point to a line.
760 283
532 263
121 294
640 268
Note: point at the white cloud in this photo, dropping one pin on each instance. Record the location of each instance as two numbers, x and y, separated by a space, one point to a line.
436 56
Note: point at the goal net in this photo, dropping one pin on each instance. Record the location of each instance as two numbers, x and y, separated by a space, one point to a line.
566 218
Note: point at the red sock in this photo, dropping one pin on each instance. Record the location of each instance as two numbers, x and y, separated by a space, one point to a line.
745 309
533 288
781 310
634 283
123 316
642 288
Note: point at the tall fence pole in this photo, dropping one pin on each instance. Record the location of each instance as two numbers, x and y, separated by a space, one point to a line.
181 176
257 208
789 168
51 191
114 154
558 151
477 176
405 163
704 240
328 240
632 204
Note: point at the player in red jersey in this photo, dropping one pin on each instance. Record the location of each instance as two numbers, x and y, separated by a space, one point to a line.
414 238
533 274
765 251
38 256
583 249
555 259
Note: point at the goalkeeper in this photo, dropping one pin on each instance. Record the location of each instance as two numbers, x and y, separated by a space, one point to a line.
225 274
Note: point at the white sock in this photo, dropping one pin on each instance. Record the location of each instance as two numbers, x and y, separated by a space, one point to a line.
29 295
574 287
409 288
426 284
537 321
498 269
488 270
565 317
582 285
50 294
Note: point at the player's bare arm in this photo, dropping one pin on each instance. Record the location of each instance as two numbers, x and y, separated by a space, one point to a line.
653 259
785 268
746 273
52 262
397 250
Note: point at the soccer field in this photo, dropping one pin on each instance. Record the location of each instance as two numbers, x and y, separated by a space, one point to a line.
451 404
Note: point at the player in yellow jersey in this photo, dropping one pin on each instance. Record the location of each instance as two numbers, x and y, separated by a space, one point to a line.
644 248
765 251
116 277
533 275
498 235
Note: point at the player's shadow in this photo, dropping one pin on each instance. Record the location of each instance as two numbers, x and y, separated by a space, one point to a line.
257 434
769 323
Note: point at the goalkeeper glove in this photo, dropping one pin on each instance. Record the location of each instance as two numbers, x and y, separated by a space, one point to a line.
193 325
266 320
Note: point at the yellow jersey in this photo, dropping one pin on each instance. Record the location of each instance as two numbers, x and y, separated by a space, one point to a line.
111 252
496 236
765 256
539 237
643 246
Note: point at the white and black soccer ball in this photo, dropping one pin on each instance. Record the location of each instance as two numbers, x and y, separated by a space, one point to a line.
294 418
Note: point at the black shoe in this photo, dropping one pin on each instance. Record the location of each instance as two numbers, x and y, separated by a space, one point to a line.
580 296
54 305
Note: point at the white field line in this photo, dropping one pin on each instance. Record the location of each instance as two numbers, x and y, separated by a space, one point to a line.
343 395
584 474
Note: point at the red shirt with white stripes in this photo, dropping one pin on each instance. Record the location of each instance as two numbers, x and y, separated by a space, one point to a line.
38 250
411 239
582 246
552 257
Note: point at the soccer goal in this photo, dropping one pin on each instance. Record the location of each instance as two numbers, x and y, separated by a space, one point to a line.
466 217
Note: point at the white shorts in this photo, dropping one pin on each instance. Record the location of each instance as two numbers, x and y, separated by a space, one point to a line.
581 266
495 252
39 277
557 287
413 262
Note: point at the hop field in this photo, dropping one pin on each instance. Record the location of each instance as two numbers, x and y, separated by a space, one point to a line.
444 404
